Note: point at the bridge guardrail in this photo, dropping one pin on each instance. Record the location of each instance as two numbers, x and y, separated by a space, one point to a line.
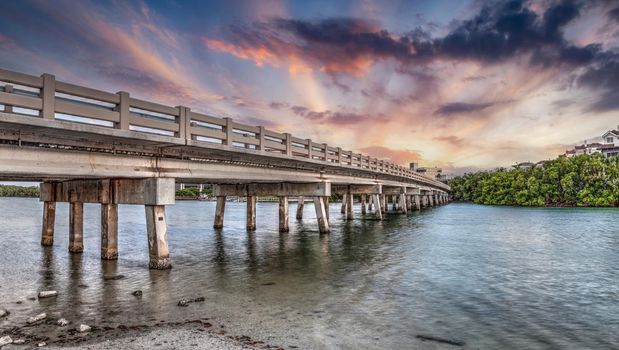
49 99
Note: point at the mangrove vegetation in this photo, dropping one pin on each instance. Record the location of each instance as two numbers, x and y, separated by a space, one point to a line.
583 180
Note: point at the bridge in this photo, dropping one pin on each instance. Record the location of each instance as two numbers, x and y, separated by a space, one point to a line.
90 146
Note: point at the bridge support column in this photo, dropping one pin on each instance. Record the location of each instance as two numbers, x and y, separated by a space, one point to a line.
417 202
251 213
383 203
321 216
49 219
109 231
219 212
283 214
349 206
156 227
431 200
394 203
379 209
327 208
344 202
363 200
76 227
371 202
300 206
403 206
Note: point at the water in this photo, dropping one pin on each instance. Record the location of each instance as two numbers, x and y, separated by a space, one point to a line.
492 277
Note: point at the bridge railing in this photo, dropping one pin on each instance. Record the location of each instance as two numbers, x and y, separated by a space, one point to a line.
46 98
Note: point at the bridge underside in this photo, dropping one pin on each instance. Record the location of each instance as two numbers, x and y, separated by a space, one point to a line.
79 163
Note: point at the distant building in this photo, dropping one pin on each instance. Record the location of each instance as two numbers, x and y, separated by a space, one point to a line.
607 144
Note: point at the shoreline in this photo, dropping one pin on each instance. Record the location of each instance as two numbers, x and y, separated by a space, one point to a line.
195 334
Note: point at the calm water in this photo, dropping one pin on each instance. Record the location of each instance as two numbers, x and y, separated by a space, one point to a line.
491 277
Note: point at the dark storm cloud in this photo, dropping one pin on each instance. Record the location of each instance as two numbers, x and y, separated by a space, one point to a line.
604 77
500 31
614 14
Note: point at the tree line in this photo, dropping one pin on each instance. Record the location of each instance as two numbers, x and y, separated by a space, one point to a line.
583 180
18 191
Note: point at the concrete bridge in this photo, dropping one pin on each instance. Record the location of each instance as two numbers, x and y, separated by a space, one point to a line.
90 146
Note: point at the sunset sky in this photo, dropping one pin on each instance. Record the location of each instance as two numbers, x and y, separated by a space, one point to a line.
459 84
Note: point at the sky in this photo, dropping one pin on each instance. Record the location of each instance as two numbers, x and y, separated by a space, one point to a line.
462 85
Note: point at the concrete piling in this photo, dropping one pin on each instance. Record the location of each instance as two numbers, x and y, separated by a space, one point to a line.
379 210
283 214
251 213
76 227
363 204
219 212
158 252
321 216
403 208
300 206
49 220
109 231
344 203
349 206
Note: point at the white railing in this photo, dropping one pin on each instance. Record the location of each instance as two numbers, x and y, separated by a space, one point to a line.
49 99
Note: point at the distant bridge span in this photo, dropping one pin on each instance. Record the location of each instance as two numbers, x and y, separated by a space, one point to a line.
92 146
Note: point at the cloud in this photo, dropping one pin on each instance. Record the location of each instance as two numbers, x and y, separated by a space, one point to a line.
278 105
139 81
398 156
338 118
614 14
453 140
500 31
461 107
603 77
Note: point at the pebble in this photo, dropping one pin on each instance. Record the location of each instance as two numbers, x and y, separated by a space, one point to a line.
62 322
48 293
6 340
41 344
4 313
36 318
137 293
184 302
84 328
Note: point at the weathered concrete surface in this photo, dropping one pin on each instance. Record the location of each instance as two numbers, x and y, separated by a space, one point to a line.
76 227
300 206
251 213
49 220
149 191
349 206
283 214
274 189
219 212
109 231
156 227
321 215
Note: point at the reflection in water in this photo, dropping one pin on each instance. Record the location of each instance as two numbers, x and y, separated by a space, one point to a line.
491 277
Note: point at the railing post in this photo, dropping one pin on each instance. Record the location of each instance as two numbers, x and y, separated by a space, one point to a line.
183 122
309 149
261 138
288 144
228 140
8 89
48 95
123 110
326 155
